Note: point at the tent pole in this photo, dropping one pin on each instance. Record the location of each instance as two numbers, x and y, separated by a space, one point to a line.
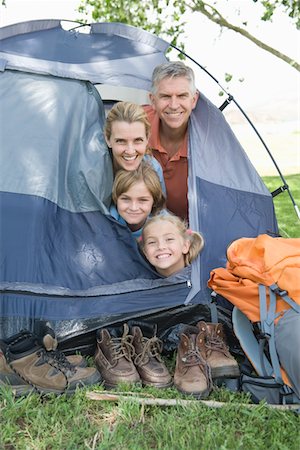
226 103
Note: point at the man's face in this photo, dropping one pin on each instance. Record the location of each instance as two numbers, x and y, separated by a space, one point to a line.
174 101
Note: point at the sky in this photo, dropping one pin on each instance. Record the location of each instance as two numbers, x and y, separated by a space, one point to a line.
267 80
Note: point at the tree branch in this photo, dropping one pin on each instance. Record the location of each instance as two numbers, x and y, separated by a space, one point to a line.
214 15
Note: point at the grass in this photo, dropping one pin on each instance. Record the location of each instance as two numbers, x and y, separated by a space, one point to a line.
289 224
78 423
71 423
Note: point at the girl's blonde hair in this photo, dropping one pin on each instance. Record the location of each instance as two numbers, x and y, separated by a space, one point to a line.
196 239
126 112
145 172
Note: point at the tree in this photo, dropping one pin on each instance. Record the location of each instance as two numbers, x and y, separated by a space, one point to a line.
166 18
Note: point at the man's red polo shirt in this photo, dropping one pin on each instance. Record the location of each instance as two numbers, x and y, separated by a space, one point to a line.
175 169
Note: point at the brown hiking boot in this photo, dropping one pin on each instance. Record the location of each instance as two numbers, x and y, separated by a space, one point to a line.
222 363
192 374
46 372
113 357
9 378
148 361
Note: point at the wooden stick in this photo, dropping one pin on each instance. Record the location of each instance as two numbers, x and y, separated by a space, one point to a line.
107 396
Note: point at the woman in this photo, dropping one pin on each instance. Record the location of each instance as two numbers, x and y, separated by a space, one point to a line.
127 132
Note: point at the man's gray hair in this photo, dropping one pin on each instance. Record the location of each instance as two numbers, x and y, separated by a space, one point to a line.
173 69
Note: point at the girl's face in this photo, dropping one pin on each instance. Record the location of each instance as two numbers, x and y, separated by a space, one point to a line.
164 247
135 205
128 142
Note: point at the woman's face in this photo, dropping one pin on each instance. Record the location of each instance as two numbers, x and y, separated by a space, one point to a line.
135 205
128 142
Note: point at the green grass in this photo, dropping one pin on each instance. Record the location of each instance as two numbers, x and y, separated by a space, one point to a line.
78 423
71 423
289 224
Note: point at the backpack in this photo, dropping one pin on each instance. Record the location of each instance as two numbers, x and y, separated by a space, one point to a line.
262 281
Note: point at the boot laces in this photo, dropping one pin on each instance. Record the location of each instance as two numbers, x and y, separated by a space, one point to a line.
216 343
122 348
193 357
152 348
60 361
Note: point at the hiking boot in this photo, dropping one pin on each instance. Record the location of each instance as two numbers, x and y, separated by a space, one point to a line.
148 361
113 357
192 373
9 378
47 338
221 362
46 372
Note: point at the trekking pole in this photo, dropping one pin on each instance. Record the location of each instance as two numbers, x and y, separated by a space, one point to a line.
223 106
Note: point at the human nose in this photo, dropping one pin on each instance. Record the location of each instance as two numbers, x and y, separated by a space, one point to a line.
173 103
161 244
130 148
134 206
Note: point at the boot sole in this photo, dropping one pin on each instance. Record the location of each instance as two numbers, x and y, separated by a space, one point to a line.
70 390
12 381
18 390
225 372
196 395
113 386
157 385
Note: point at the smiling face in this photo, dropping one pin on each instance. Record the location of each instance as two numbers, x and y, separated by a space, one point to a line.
164 247
128 142
135 205
174 101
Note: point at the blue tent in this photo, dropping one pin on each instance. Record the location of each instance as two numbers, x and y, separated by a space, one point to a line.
63 258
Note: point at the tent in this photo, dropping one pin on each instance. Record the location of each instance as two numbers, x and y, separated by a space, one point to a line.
63 258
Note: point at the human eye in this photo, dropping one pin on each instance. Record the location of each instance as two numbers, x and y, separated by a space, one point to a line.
150 242
139 140
120 141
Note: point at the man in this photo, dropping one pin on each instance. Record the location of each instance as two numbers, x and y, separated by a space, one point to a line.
173 97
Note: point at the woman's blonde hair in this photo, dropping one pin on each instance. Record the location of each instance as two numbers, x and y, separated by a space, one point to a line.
126 112
124 180
196 239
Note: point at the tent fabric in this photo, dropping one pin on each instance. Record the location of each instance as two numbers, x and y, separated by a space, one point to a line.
111 53
63 259
52 133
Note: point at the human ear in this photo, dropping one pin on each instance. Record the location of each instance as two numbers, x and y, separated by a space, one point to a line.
195 99
152 99
186 246
107 141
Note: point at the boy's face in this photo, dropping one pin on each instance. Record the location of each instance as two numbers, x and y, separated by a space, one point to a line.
135 205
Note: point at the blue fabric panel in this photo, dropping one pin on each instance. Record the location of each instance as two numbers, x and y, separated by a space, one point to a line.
68 308
59 151
46 245
115 54
57 44
226 214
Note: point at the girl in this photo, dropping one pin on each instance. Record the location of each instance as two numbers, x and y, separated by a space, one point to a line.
168 245
136 195
127 132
